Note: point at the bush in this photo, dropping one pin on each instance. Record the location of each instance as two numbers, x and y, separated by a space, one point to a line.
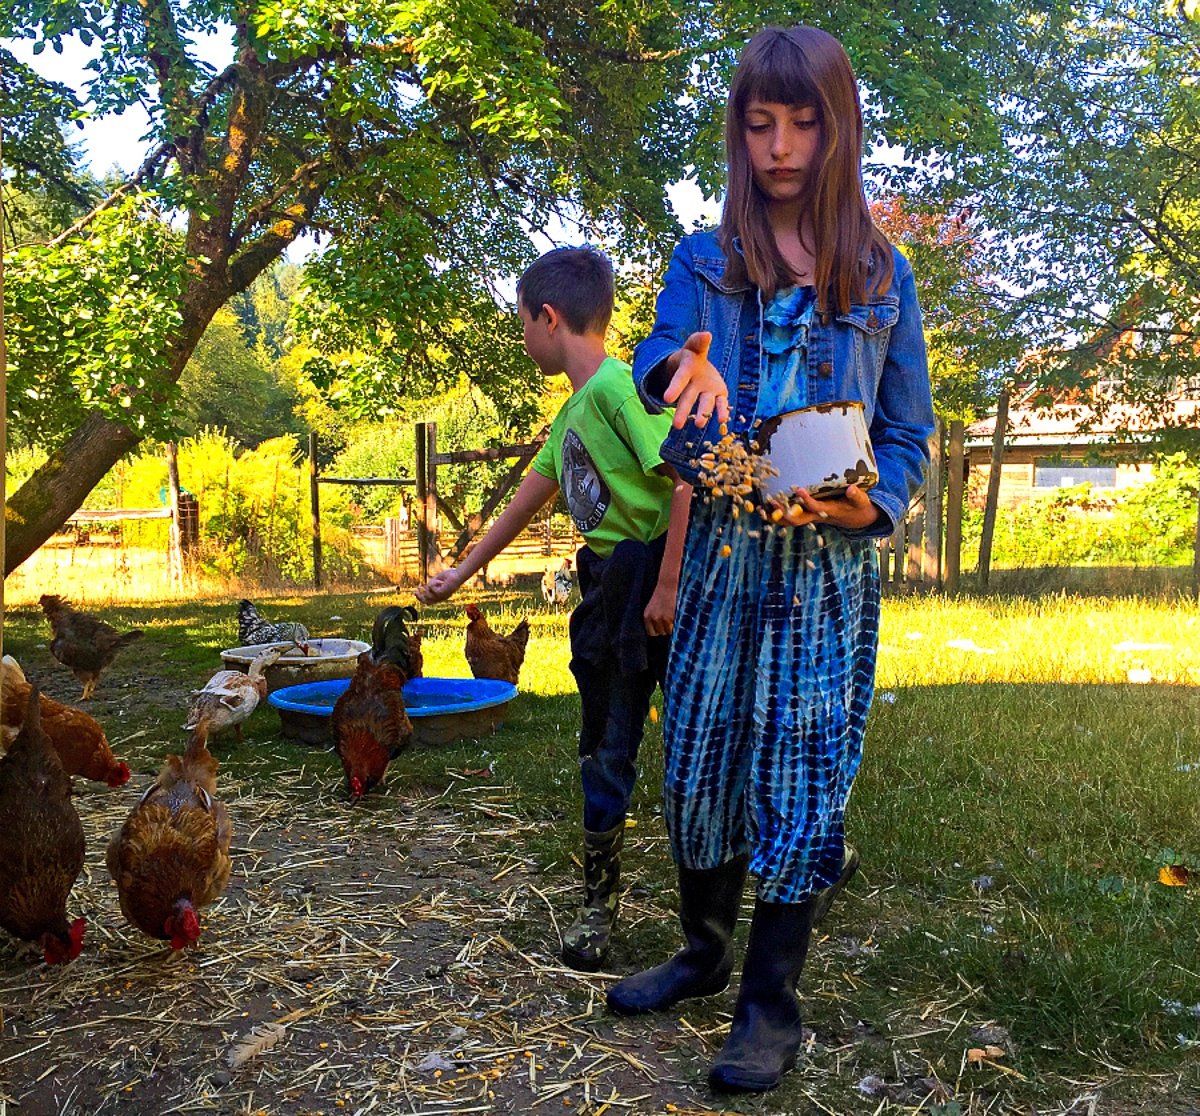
1149 525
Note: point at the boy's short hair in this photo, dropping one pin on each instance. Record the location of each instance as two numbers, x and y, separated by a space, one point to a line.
577 282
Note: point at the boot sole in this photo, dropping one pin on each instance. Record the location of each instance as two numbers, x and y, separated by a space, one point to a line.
628 1009
729 1082
584 964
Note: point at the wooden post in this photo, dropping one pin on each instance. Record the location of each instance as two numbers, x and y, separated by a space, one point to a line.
993 489
896 572
175 550
954 505
424 526
391 542
885 560
432 561
916 549
314 499
3 413
1195 558
931 562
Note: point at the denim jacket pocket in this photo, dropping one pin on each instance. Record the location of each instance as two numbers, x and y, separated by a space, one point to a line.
871 325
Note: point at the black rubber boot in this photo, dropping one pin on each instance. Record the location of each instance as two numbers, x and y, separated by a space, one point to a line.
586 940
823 899
709 900
766 1031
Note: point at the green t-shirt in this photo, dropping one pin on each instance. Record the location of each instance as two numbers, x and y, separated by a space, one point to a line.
602 451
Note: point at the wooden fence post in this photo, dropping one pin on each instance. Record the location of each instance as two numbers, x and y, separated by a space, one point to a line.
424 521
1195 557
175 549
433 561
916 549
3 414
993 489
931 562
954 505
314 499
896 571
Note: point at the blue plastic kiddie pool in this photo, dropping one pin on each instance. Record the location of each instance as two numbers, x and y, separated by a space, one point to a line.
442 710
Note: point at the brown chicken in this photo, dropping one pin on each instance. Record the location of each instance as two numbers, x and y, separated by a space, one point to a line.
41 843
81 642
493 656
77 738
171 856
370 722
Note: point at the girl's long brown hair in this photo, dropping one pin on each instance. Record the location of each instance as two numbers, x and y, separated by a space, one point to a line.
804 66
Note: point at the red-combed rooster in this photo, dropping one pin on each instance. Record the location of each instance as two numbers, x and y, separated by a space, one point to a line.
41 843
77 738
370 723
493 656
171 856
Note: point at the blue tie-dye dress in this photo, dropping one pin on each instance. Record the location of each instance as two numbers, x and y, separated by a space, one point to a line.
771 671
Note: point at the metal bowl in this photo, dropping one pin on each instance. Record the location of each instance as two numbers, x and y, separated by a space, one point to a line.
326 659
823 449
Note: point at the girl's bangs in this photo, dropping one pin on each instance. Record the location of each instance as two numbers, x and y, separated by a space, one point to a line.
779 75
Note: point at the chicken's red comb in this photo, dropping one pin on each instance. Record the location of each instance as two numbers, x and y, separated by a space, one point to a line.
120 776
76 934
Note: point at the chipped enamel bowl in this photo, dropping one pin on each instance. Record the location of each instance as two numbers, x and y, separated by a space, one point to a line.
823 449
326 659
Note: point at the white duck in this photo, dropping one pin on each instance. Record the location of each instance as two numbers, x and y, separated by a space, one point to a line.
230 696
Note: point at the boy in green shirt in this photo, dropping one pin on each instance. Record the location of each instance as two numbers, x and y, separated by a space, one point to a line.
631 508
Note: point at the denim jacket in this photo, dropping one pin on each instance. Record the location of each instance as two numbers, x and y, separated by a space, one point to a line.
874 354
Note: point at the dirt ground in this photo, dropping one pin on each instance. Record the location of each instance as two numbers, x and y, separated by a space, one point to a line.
399 956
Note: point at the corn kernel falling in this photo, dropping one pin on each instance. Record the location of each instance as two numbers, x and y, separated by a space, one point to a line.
810 563
726 550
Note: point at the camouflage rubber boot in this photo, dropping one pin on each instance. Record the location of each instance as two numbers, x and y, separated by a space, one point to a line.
585 942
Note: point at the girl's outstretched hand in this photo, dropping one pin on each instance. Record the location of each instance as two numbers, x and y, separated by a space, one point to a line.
696 384
851 509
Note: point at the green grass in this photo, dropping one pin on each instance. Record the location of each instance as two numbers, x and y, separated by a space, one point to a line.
1013 810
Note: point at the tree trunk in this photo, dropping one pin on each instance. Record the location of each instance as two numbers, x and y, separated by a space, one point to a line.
41 505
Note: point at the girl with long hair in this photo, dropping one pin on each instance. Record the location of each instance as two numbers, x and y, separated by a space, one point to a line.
796 300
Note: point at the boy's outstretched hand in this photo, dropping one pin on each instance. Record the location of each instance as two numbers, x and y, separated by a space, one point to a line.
851 509
696 385
439 587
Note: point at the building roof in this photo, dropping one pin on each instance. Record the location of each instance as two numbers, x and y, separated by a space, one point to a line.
1059 425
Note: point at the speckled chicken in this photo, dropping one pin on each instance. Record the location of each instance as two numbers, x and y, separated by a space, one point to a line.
253 629
370 722
494 656
83 643
171 856
229 696
41 843
77 738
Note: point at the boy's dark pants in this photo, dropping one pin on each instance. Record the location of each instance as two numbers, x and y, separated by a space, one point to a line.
616 666
614 710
